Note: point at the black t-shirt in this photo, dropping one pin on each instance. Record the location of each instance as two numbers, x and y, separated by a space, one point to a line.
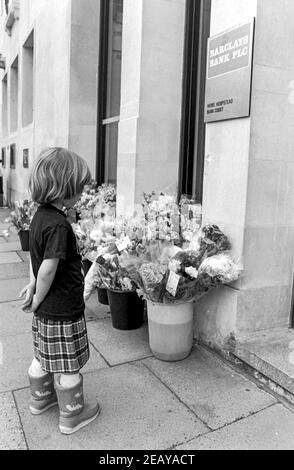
51 236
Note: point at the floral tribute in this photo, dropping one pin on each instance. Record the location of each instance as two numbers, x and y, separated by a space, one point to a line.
21 216
162 253
162 216
167 273
96 201
106 271
96 212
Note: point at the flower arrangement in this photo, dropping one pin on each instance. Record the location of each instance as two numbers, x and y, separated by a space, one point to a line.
190 217
161 213
107 273
96 201
112 237
22 215
87 246
166 273
96 211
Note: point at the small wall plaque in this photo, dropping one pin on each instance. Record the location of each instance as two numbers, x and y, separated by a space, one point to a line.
26 158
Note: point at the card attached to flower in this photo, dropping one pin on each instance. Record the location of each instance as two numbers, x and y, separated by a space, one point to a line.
172 283
123 243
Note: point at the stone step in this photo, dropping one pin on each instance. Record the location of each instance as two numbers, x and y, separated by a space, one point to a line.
270 355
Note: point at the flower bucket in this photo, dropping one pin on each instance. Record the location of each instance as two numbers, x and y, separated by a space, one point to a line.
24 236
170 330
86 265
126 310
102 296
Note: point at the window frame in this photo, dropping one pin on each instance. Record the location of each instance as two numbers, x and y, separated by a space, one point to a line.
192 143
103 91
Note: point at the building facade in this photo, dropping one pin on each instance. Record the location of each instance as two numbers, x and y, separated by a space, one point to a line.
49 50
122 82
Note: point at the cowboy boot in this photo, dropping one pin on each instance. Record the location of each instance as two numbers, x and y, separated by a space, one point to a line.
43 395
74 413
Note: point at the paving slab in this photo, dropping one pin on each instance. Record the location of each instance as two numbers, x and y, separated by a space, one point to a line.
214 391
119 346
13 321
269 429
9 245
10 289
25 255
14 270
137 412
11 435
17 354
94 310
9 257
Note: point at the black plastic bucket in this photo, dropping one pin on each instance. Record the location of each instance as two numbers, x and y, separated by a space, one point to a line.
24 237
127 310
102 296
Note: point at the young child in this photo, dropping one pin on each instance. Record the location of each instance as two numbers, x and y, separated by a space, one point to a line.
55 292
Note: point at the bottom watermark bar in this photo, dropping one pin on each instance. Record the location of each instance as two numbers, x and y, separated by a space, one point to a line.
134 458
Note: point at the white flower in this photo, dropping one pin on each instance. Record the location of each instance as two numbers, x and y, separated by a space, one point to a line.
174 265
192 272
222 266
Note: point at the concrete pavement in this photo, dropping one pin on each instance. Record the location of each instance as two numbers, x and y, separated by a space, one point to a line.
146 404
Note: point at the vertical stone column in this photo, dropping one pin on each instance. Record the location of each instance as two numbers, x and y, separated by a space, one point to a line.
84 45
225 190
266 288
151 93
249 180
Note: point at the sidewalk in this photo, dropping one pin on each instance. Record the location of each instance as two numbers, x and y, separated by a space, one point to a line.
146 404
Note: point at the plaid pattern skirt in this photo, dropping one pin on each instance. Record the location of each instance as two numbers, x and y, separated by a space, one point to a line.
60 346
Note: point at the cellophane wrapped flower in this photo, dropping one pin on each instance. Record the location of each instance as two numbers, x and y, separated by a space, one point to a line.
96 201
87 246
221 266
106 272
22 214
190 217
165 273
96 225
162 217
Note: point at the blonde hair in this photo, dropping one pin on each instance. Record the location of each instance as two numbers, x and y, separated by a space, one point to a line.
58 174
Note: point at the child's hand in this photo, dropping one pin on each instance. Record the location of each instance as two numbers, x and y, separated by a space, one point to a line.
28 291
31 308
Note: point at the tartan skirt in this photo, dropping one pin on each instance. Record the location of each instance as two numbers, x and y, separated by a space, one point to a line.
60 346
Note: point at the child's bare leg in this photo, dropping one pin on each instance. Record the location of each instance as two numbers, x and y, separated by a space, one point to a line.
35 369
69 380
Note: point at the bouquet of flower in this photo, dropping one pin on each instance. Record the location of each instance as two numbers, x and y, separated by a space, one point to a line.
190 217
113 237
161 213
96 201
165 273
87 246
22 214
107 273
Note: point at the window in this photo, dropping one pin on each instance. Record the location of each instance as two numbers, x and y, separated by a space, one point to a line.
14 96
28 80
3 157
4 107
109 89
12 156
25 158
193 127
